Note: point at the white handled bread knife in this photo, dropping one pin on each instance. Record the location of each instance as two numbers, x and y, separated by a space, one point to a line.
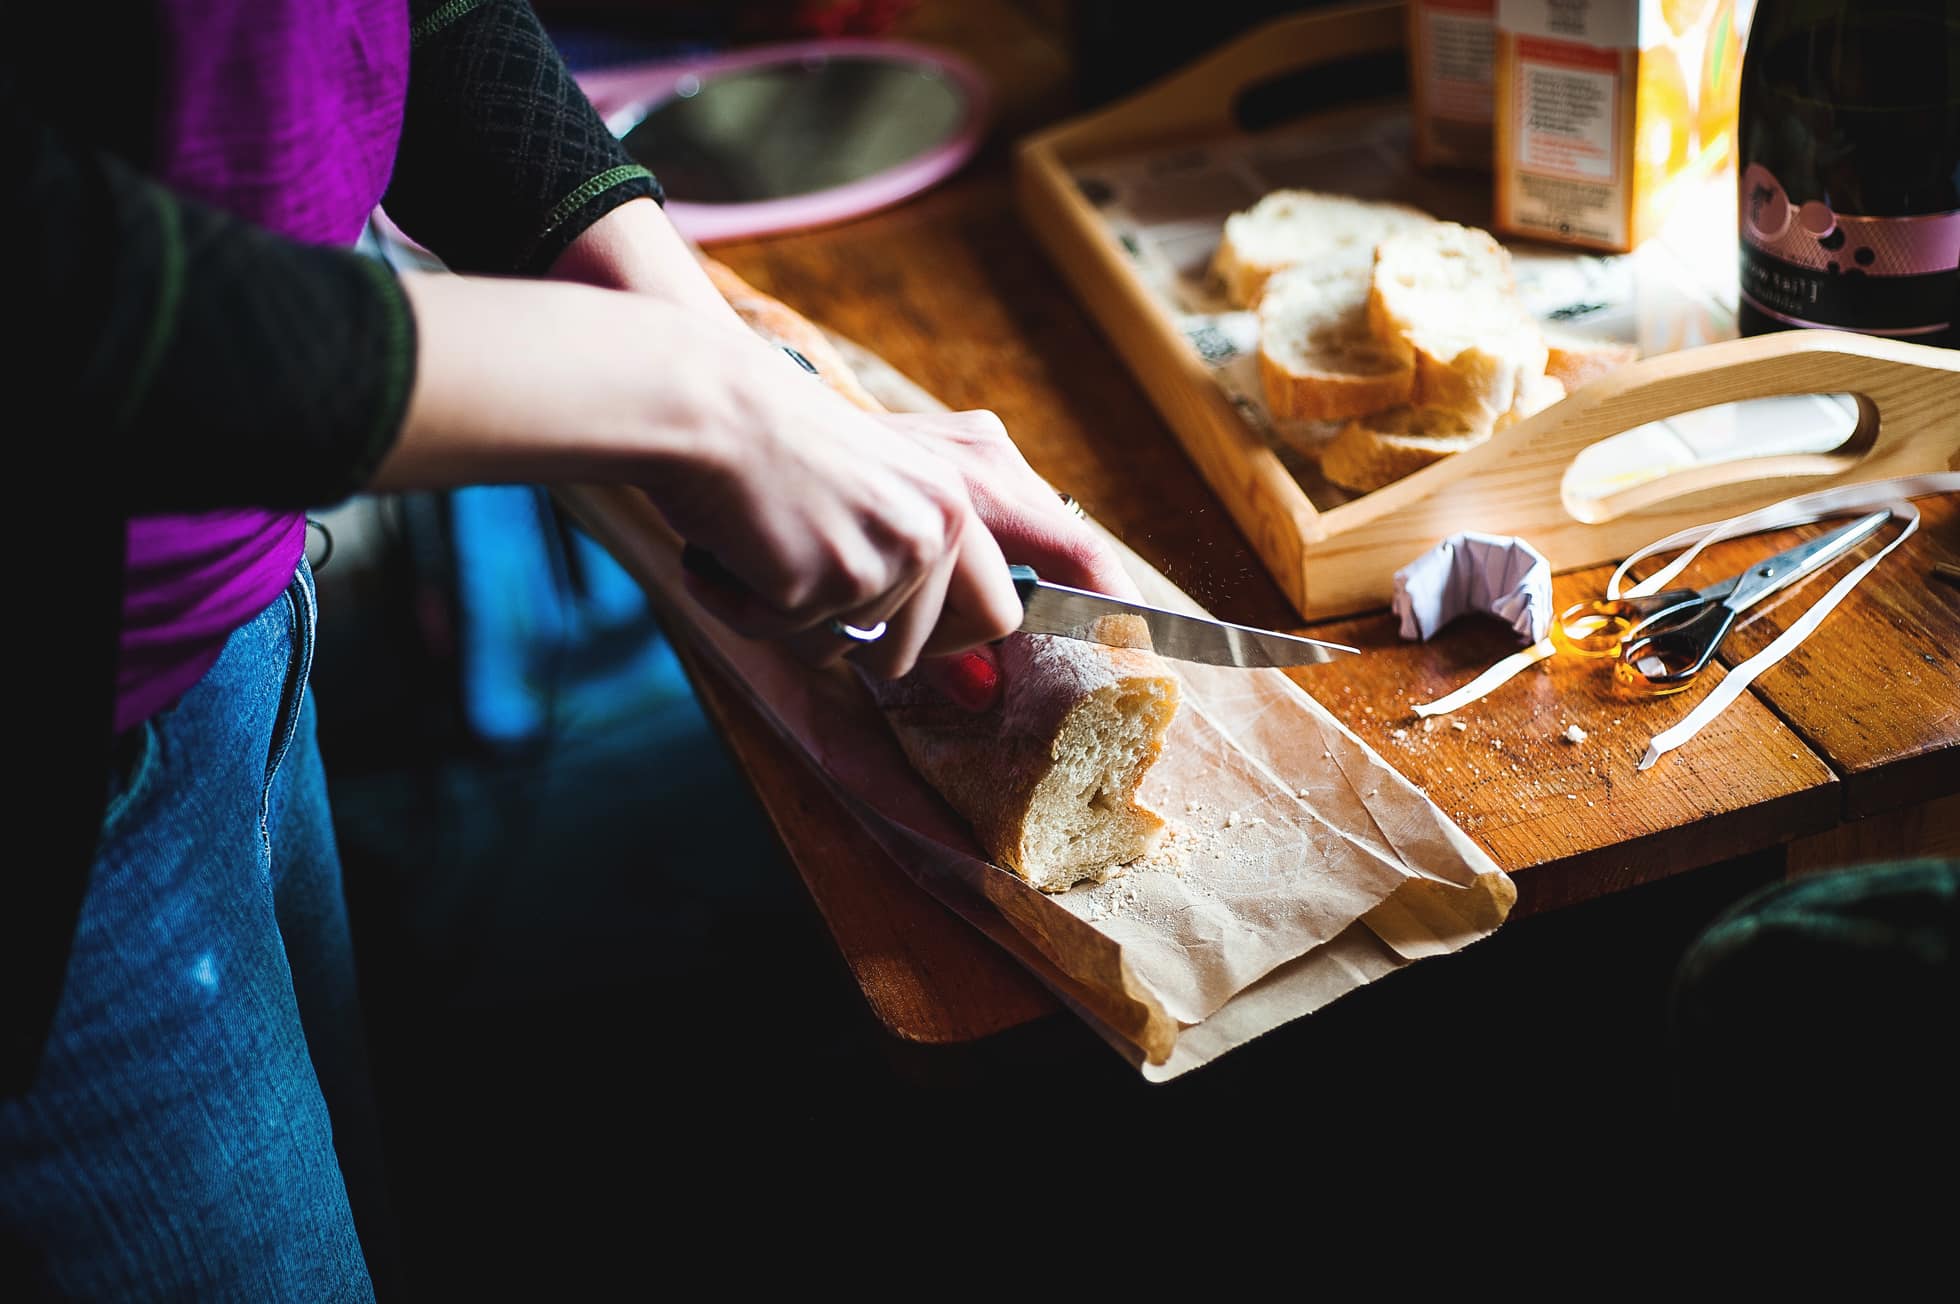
1098 618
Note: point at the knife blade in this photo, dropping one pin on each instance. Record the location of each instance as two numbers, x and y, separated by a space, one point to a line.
1098 618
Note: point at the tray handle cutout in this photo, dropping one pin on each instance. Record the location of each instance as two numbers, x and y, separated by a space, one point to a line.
1906 398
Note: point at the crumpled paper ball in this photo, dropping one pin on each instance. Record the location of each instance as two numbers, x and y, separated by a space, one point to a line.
1506 577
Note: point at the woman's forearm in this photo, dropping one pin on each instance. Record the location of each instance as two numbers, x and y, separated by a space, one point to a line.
519 381
635 247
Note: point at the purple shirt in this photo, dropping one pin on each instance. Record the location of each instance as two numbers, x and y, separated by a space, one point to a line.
285 113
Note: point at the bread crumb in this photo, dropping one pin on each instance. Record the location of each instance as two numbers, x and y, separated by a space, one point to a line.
1574 734
1572 796
1497 742
1367 710
1399 734
1429 724
1459 726
1302 794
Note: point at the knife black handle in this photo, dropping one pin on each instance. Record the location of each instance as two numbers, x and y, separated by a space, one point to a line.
1025 582
707 566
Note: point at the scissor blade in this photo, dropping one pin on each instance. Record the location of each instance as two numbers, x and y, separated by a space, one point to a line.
1787 567
1080 614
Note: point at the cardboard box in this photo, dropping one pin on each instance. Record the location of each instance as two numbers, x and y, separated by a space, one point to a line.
1606 109
1452 63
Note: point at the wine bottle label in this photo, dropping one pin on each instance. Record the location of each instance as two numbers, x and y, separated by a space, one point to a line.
1809 265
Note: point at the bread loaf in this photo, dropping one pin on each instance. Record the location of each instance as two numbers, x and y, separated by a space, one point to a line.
1330 233
1048 776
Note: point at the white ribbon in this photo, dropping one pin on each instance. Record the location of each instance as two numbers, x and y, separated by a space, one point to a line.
1802 510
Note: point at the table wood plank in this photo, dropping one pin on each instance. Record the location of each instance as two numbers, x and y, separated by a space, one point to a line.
1572 821
1875 689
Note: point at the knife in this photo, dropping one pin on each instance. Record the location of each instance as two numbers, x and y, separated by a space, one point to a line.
1089 617
1048 608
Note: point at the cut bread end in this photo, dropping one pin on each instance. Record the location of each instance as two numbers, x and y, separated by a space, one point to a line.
1083 819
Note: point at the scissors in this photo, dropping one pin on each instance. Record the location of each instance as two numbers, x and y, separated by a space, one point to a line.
1663 640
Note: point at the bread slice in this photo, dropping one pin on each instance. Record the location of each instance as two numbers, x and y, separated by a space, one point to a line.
1443 298
1538 393
1332 233
1383 448
1574 360
1318 358
1048 776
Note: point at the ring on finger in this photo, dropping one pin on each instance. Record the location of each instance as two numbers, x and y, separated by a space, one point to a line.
860 634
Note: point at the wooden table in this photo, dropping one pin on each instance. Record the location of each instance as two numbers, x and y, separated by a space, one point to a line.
1862 724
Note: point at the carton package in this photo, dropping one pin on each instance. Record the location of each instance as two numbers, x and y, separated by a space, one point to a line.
1606 110
1452 60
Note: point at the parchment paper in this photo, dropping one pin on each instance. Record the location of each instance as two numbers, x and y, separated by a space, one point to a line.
1300 865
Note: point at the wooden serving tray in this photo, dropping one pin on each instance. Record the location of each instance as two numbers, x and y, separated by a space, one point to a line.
1340 557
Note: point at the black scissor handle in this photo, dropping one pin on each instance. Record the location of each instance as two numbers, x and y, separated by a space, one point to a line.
1670 648
698 561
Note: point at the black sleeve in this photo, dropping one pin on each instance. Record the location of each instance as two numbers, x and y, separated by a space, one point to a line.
503 161
206 362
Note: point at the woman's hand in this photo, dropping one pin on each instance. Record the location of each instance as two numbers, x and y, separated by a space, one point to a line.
827 514
1028 521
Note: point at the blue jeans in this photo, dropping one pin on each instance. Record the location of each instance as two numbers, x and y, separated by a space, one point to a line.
177 1143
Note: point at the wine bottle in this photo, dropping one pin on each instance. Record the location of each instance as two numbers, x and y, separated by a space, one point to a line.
1850 168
